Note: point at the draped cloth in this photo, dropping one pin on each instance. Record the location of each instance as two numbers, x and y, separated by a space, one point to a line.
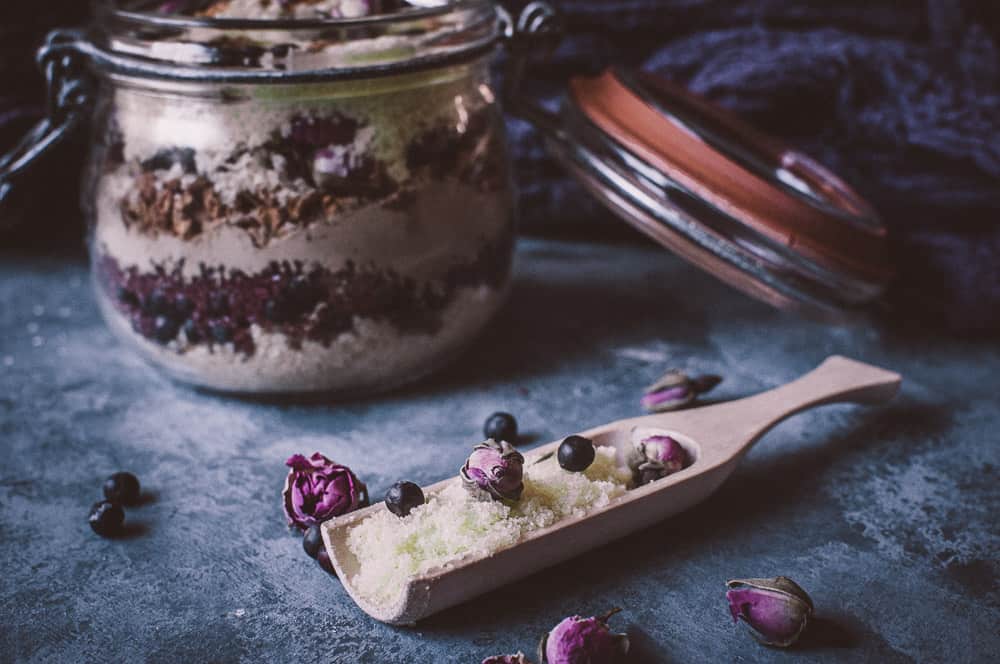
901 98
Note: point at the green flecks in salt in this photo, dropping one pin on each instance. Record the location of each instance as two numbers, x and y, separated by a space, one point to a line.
453 525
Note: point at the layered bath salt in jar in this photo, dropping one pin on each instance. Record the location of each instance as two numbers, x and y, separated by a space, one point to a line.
298 196
313 195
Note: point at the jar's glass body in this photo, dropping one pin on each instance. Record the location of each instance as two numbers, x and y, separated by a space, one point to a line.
346 236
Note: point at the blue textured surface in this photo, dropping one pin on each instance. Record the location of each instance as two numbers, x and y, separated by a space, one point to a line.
887 516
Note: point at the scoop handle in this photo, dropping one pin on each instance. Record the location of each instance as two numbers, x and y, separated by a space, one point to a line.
837 380
734 426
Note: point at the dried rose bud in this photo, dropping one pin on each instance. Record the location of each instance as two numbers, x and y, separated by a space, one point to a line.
496 469
519 658
655 457
776 610
318 489
577 640
676 390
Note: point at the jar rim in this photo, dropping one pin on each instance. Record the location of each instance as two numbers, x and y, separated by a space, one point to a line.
125 40
114 9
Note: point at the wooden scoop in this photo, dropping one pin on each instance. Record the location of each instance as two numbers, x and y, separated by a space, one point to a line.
715 437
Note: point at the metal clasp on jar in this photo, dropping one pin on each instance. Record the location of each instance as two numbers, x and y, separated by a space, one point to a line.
536 33
70 91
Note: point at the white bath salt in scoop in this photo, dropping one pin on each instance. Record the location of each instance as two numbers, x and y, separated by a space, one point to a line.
455 547
453 524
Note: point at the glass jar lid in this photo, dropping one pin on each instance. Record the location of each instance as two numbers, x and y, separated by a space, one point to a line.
757 214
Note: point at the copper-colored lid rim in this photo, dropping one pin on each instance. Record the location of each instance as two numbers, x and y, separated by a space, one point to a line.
832 226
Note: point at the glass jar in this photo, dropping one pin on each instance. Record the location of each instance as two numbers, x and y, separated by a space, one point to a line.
290 205
290 201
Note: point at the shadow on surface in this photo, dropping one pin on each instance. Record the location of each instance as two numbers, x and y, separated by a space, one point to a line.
550 325
831 632
132 530
643 649
145 498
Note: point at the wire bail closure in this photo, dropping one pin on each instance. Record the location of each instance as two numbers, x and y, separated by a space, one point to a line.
537 32
69 93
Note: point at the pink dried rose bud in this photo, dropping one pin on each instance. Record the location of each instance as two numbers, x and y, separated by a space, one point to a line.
317 489
655 457
776 610
578 640
495 470
675 389
519 658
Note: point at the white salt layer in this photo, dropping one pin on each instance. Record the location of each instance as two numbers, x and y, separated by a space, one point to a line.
453 525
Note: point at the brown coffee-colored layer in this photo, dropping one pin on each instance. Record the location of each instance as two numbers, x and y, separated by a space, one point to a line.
187 207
